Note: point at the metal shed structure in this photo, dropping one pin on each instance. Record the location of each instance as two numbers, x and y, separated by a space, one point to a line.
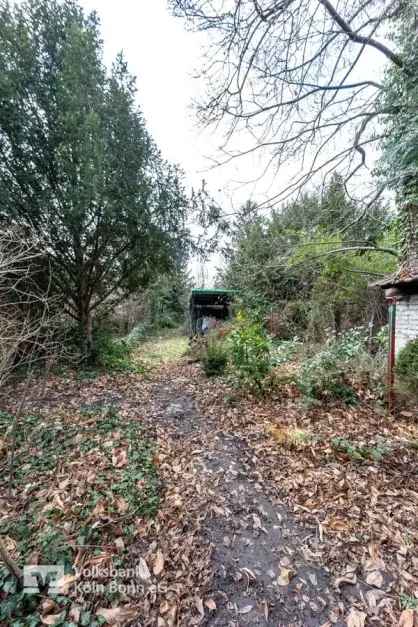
214 303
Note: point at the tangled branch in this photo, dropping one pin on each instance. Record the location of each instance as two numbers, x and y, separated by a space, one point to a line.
296 80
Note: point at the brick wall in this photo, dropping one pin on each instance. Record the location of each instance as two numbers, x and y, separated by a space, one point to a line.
406 321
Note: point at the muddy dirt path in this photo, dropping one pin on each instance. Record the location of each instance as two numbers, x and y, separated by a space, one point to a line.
265 566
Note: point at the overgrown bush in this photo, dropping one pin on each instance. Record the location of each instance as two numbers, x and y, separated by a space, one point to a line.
324 375
139 333
285 351
360 452
29 318
112 353
215 358
290 318
250 351
407 366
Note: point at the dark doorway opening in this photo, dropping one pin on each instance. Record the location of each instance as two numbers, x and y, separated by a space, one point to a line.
208 305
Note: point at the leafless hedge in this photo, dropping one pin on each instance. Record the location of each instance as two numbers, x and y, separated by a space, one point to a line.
26 327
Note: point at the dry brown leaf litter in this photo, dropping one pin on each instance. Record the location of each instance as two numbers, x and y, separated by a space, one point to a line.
364 512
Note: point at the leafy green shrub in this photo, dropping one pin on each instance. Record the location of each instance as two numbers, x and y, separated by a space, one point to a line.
324 375
285 351
215 358
109 352
343 392
358 452
382 337
139 333
350 344
408 602
112 353
250 351
407 366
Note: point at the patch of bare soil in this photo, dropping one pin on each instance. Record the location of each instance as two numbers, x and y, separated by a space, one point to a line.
264 561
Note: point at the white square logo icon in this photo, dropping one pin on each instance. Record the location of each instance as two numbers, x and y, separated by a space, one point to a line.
36 577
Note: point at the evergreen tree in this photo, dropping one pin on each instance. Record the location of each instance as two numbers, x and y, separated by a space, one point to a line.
77 162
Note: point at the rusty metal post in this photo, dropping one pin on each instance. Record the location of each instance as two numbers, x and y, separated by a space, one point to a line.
391 354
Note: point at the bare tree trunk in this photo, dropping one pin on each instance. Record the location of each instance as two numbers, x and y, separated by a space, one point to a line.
337 321
86 330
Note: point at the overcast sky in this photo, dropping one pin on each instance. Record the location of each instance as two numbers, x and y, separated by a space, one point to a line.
165 57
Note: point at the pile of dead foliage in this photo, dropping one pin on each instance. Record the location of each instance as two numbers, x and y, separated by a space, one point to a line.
115 503
350 472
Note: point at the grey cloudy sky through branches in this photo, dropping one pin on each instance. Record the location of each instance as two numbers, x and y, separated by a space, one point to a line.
165 58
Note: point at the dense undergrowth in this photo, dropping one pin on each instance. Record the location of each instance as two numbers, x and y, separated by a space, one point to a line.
135 353
81 480
341 369
407 367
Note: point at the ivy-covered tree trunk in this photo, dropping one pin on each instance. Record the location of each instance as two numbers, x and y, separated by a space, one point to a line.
410 233
399 163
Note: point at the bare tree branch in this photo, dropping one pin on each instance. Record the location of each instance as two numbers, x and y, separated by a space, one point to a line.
360 39
293 79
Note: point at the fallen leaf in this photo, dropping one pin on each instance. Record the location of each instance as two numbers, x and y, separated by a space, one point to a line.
374 564
406 619
199 606
375 578
122 505
356 618
48 606
256 522
143 570
348 577
99 509
250 574
120 458
117 615
158 564
285 576
246 609
120 545
210 604
336 524
52 619
372 597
